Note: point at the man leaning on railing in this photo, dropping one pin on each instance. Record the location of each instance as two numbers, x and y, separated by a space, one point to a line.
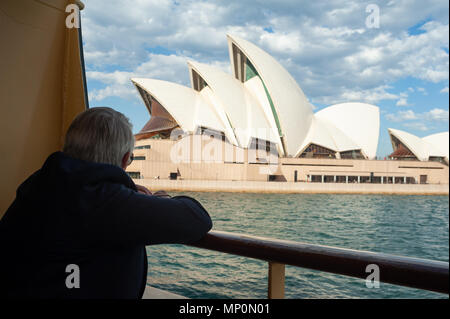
79 225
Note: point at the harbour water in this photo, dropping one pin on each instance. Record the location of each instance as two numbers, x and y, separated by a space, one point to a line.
414 226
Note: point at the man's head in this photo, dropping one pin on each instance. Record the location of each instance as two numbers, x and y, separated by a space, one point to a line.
100 135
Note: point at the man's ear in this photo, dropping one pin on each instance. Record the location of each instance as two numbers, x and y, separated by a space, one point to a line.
125 160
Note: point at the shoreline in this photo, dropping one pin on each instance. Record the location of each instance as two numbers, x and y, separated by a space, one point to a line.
292 187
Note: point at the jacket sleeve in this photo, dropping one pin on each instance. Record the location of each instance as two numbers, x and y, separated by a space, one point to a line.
132 218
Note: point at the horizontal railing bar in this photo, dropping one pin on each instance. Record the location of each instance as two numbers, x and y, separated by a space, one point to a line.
404 271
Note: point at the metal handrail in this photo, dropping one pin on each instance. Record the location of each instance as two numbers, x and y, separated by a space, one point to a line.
404 271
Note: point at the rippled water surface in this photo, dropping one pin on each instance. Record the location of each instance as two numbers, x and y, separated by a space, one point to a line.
415 226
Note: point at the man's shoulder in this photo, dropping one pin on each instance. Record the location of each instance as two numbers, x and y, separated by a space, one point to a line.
101 193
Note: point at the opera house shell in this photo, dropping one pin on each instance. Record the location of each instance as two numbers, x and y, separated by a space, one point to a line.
410 147
259 102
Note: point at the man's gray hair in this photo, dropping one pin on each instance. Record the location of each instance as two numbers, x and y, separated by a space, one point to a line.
100 135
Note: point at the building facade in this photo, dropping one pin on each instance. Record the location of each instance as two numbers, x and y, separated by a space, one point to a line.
256 124
196 157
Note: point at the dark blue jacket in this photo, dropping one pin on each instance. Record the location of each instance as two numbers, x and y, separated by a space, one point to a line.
91 215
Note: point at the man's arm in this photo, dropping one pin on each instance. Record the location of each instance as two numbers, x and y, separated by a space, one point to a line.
143 190
131 218
161 194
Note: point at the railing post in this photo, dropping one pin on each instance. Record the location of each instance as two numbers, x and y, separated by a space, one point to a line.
276 280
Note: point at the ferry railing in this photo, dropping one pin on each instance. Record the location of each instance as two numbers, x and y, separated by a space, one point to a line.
404 271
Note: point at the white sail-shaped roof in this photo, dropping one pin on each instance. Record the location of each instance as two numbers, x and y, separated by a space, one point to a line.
214 104
255 88
435 145
261 100
325 134
291 108
241 109
413 143
184 104
342 141
360 121
439 142
318 135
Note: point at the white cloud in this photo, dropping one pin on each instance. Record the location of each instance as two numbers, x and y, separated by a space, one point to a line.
435 115
171 68
341 95
113 90
419 126
402 102
402 116
422 90
324 45
445 90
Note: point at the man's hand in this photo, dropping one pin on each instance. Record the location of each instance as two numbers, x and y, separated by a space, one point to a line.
143 190
161 194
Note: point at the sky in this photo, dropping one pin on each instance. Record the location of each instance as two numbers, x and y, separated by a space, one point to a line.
393 54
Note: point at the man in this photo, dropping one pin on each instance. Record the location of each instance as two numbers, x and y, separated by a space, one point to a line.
78 226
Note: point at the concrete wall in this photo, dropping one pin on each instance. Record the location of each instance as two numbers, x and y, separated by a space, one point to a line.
437 173
197 162
291 187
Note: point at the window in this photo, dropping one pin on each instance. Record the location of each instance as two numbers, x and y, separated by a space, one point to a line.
134 175
198 81
201 130
437 159
142 147
146 97
276 178
401 152
316 151
354 154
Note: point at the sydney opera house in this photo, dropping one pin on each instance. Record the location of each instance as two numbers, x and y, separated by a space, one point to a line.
410 147
256 124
